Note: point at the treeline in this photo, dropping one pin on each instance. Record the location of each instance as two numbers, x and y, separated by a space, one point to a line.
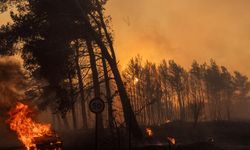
166 91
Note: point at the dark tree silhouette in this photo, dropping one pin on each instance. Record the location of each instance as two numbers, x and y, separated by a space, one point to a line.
46 30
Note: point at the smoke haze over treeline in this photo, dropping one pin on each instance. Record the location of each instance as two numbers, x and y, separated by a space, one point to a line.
205 92
183 30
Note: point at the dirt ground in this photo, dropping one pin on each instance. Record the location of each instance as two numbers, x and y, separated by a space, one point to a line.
205 136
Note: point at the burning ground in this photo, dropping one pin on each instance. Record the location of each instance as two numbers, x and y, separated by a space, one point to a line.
221 135
206 136
18 122
26 129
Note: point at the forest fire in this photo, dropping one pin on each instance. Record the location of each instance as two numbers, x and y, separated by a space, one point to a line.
149 132
119 75
27 130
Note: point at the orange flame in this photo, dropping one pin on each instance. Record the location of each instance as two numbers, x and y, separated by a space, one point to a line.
149 132
26 129
167 121
136 80
171 140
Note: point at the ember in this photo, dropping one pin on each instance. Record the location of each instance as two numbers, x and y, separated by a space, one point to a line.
168 121
171 140
149 132
26 129
136 80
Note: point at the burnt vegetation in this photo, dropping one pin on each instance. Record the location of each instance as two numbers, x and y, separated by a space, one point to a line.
67 49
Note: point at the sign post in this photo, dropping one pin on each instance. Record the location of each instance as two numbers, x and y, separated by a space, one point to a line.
96 106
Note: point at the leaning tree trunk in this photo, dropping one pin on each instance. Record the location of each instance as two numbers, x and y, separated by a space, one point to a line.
107 35
129 116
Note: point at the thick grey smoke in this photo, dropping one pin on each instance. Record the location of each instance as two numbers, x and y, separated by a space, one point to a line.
12 81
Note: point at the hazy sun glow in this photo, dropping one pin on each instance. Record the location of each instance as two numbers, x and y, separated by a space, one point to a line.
183 30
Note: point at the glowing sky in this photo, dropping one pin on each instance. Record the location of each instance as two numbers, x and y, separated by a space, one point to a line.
182 30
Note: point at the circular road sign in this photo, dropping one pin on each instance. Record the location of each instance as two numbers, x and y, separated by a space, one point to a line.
96 105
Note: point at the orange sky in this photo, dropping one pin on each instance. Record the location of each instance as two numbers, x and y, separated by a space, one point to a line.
182 30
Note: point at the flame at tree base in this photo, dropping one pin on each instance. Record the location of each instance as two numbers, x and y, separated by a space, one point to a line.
26 129
149 132
171 140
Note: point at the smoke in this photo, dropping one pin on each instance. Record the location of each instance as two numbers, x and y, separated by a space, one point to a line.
183 30
13 81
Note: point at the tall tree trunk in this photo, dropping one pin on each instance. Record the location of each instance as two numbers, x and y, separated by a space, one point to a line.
53 121
59 123
74 117
108 94
129 116
65 121
95 77
72 103
80 84
180 105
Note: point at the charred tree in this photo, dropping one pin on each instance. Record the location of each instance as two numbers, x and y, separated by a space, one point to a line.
108 94
81 87
129 116
95 77
72 97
